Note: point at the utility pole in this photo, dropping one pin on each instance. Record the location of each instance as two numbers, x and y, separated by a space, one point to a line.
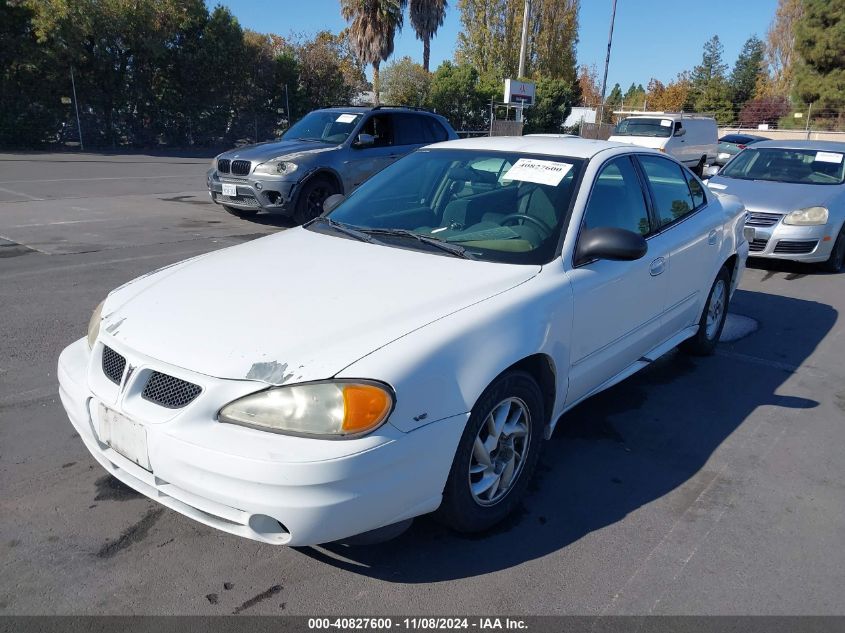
607 62
526 16
287 106
76 107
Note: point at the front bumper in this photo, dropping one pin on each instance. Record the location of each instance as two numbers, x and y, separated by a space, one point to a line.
254 193
796 243
269 487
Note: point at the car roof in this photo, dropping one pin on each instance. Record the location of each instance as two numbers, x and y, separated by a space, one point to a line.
743 135
832 146
575 147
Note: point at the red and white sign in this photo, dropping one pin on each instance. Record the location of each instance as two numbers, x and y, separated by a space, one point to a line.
519 92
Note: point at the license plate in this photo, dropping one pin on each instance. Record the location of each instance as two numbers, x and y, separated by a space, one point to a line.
230 190
125 436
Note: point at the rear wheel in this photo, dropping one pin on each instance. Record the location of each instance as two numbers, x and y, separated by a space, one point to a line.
241 213
310 202
836 260
712 318
496 455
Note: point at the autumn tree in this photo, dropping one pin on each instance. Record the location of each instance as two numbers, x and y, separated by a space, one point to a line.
405 83
780 54
672 97
588 82
328 72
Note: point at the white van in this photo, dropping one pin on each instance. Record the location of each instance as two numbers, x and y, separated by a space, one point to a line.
692 139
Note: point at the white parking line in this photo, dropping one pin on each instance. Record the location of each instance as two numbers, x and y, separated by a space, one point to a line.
18 193
26 226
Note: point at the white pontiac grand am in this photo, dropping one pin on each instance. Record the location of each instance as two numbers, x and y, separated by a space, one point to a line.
439 322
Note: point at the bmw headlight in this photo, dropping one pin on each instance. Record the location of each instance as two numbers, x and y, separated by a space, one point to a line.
333 409
807 217
275 168
94 324
213 163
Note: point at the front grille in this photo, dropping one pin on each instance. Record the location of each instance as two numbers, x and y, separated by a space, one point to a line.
169 391
223 165
762 219
113 365
241 167
755 246
795 247
244 201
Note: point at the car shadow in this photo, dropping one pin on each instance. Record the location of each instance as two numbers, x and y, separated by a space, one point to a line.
618 451
793 270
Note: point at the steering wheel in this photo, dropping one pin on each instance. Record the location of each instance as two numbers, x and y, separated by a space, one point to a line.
521 216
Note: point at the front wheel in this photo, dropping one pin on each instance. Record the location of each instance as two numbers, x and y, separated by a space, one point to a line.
496 455
712 319
309 204
836 260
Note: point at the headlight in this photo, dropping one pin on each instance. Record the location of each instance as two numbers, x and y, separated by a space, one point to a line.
275 168
807 217
325 409
94 324
213 163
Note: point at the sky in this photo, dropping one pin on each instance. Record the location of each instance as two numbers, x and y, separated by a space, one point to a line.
651 38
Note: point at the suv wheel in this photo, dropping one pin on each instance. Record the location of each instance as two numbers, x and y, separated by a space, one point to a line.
837 256
712 319
496 455
310 202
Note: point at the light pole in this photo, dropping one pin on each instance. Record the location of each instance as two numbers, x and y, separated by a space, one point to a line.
607 63
526 15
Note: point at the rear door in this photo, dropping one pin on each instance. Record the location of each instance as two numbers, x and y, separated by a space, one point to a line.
618 306
690 225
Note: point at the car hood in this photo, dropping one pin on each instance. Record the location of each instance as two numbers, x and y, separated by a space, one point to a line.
654 142
288 149
295 306
774 197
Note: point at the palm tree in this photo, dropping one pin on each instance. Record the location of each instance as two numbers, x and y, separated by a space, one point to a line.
426 17
373 25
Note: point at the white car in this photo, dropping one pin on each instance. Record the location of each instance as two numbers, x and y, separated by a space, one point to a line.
441 320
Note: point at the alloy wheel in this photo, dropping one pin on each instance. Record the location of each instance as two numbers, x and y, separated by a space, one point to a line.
716 309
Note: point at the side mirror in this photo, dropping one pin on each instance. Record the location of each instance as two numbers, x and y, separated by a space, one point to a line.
610 243
680 131
330 203
364 140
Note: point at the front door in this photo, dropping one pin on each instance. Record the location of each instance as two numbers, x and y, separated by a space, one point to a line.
618 306
367 160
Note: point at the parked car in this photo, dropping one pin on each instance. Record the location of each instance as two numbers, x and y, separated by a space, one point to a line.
795 196
732 144
442 319
327 152
689 138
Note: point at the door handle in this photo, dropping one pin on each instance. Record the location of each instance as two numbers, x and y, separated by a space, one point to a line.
657 267
712 237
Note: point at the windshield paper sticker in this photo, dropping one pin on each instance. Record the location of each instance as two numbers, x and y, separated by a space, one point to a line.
543 172
829 157
666 122
346 118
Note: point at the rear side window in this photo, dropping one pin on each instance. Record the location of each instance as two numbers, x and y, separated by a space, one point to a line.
669 185
411 130
617 199
695 189
436 132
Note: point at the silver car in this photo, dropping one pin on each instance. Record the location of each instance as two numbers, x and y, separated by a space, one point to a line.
327 152
795 195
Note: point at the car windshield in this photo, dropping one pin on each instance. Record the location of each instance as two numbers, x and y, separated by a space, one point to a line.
324 125
497 206
644 127
804 166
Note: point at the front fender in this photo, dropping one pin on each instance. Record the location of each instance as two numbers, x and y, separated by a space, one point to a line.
441 369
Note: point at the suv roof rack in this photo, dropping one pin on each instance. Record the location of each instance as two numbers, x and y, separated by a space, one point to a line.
381 106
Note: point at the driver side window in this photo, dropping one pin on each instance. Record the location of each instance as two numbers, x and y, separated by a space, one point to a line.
380 127
617 199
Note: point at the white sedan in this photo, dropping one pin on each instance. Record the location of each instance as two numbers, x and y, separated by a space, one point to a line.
423 340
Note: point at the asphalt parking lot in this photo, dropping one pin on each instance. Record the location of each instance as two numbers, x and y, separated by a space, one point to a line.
699 486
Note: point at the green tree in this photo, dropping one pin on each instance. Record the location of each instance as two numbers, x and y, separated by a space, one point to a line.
820 43
426 17
634 98
612 102
709 88
747 70
406 83
372 30
462 96
554 103
328 74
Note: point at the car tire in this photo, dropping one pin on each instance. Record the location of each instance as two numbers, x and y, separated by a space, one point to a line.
309 204
469 504
836 260
241 213
712 319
